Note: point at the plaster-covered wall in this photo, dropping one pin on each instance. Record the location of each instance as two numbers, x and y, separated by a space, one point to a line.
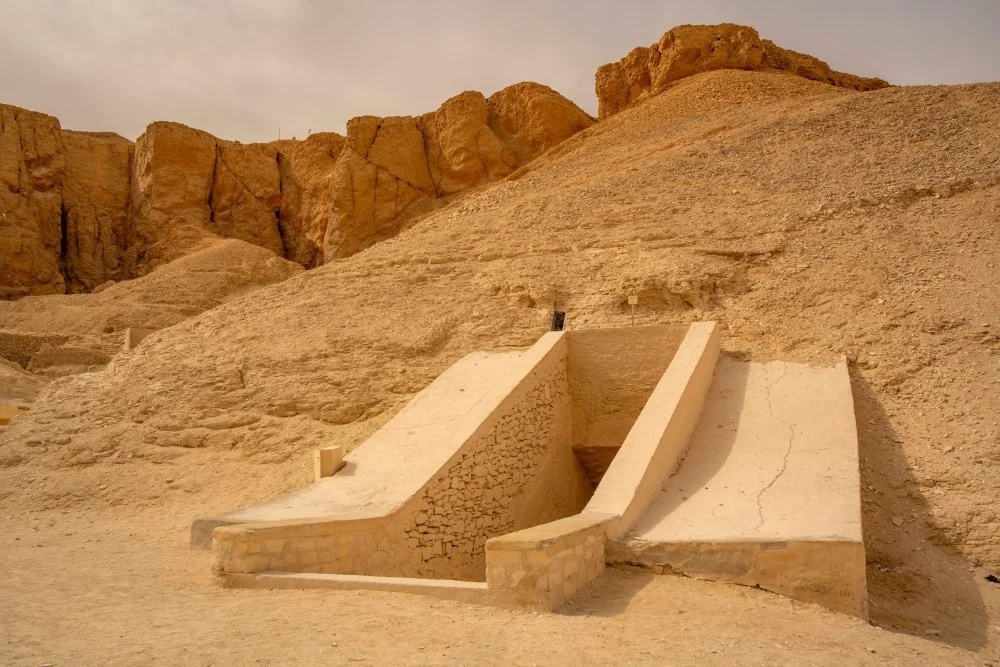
514 469
519 472
612 372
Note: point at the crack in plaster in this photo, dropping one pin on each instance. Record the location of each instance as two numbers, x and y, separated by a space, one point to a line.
788 450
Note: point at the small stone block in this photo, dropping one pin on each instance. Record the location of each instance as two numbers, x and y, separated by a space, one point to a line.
327 461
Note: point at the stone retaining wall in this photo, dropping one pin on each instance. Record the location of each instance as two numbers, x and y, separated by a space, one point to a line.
542 567
19 346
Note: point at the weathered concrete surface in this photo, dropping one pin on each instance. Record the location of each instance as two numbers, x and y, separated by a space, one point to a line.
768 494
483 451
380 476
661 433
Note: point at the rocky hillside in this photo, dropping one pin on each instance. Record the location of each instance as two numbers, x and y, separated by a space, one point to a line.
81 209
690 49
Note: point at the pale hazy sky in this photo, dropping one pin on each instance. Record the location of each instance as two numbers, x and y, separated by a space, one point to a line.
242 68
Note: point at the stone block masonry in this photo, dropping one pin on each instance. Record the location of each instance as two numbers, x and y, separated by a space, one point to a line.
717 475
541 567
519 473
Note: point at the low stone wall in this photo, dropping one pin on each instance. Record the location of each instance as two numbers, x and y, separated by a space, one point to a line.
297 546
542 567
20 346
48 357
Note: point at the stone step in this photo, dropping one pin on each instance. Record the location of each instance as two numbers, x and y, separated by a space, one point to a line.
445 589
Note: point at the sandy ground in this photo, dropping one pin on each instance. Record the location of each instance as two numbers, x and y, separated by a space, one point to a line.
122 587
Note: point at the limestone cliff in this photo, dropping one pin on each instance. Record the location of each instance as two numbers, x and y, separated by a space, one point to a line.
393 169
690 49
80 209
306 170
32 166
188 186
95 197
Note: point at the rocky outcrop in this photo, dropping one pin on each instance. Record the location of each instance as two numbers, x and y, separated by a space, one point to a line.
32 166
690 49
80 210
306 171
188 186
95 197
393 169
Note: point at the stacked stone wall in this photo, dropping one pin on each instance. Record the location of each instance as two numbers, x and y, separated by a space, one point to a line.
542 572
490 488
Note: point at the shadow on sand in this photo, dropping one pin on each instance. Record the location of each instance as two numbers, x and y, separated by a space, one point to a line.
915 586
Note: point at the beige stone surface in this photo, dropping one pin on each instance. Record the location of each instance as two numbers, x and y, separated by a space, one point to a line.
381 476
543 566
327 461
134 336
689 49
444 589
612 372
483 451
660 435
772 471
775 457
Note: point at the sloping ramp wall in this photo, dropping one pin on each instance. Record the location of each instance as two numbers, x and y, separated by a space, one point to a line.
484 450
542 566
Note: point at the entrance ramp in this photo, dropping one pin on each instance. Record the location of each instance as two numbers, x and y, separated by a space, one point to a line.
768 494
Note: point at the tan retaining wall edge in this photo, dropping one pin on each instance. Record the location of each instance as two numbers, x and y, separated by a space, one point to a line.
659 438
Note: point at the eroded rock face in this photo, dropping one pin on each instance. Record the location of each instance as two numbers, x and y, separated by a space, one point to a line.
95 197
246 195
306 171
530 118
32 166
690 49
172 177
188 186
394 169
83 209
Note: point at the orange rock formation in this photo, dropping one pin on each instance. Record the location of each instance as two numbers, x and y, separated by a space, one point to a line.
690 49
81 209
